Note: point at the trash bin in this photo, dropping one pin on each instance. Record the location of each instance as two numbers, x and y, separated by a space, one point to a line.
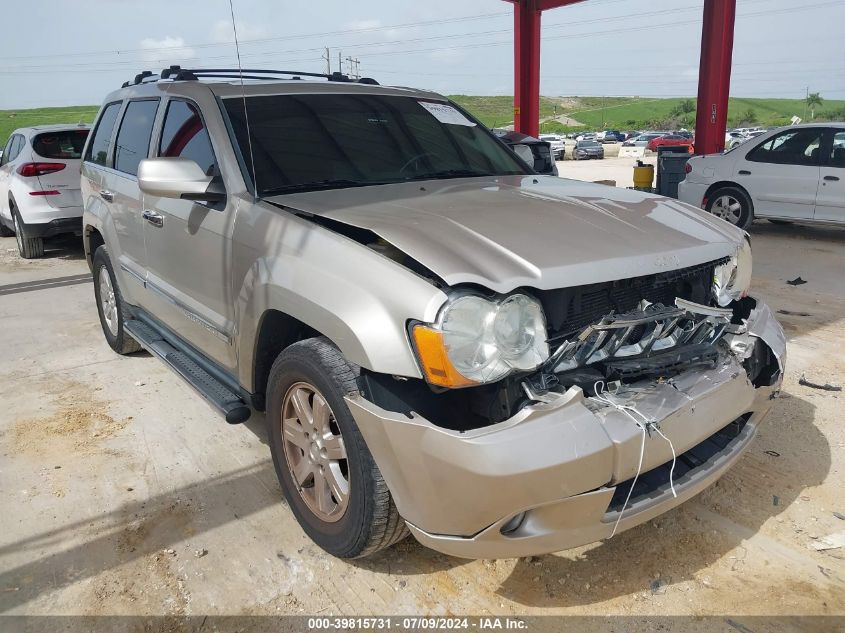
671 161
643 176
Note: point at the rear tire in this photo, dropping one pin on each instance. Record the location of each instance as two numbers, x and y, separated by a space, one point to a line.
732 205
339 498
28 247
110 305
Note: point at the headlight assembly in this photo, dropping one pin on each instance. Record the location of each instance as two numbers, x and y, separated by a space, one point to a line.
477 340
732 279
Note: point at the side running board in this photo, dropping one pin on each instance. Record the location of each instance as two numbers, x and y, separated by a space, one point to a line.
230 404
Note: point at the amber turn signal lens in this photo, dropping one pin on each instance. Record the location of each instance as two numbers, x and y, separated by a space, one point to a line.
434 360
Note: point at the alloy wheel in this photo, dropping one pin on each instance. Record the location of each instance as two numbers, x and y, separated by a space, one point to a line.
108 302
18 236
315 452
728 208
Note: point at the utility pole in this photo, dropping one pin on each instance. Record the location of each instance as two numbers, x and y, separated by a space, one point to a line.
339 62
806 100
602 112
328 58
353 73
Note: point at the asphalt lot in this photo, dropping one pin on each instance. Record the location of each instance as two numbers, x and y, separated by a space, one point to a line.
123 493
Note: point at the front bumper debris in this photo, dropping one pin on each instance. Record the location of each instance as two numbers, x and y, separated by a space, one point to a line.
545 479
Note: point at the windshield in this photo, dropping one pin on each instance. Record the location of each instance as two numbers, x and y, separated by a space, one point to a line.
305 142
587 144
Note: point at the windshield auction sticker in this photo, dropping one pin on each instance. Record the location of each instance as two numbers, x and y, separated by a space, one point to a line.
445 113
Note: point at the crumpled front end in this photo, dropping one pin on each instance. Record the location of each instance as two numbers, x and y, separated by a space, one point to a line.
559 472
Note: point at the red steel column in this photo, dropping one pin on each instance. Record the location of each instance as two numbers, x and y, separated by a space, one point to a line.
526 103
714 75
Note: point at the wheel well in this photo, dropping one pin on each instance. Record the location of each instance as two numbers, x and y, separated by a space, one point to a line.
725 183
92 240
276 331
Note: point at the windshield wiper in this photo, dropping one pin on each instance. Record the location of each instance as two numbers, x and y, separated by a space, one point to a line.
451 173
317 185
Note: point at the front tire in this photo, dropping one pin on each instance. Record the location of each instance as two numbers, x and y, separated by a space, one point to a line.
327 473
110 305
28 247
732 205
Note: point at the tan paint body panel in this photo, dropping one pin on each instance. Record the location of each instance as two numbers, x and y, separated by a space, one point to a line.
537 231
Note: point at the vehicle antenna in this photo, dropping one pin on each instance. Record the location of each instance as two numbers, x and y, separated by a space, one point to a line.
243 98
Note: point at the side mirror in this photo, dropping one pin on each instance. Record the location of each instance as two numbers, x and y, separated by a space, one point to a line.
180 178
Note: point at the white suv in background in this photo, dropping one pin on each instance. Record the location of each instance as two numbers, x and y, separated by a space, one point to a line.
39 185
556 144
789 174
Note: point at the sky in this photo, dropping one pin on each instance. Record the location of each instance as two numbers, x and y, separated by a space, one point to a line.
80 50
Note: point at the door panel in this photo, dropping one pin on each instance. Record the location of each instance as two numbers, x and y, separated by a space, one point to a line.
188 246
5 175
782 174
121 193
187 273
830 202
132 144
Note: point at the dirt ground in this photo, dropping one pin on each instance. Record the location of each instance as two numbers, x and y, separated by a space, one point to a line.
123 493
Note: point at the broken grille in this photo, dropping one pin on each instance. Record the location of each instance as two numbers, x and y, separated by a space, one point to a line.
626 341
569 310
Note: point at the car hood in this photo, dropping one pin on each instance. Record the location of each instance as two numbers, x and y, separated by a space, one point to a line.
536 231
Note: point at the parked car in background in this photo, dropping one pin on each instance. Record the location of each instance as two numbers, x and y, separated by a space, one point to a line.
39 185
586 136
643 139
667 139
733 138
536 153
556 143
610 136
584 150
788 174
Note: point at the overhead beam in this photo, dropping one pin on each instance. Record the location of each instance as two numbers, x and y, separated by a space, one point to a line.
714 75
544 5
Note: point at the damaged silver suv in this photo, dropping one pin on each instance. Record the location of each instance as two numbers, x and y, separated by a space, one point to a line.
444 342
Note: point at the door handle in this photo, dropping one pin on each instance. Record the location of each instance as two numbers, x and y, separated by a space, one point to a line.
106 195
156 219
744 172
834 178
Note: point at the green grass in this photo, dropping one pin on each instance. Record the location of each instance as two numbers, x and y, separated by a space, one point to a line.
631 112
498 111
10 120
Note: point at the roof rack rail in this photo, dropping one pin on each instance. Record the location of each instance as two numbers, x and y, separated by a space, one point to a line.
178 73
139 79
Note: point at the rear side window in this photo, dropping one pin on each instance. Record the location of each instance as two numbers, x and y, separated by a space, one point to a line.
98 149
184 136
792 147
133 137
17 146
62 144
